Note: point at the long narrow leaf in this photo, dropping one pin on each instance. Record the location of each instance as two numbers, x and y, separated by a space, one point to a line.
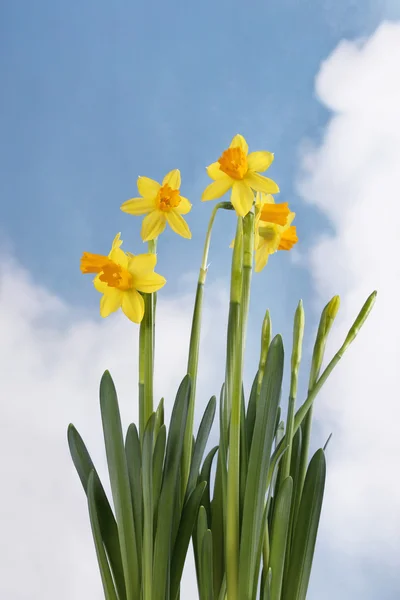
162 548
108 525
105 572
158 462
148 515
134 461
306 530
188 520
279 532
205 475
118 471
200 444
206 567
264 431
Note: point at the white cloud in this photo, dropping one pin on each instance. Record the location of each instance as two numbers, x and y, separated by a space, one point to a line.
353 177
51 363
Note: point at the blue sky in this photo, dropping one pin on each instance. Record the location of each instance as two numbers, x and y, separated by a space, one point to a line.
96 93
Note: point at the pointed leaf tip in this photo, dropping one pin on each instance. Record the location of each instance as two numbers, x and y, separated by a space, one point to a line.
277 341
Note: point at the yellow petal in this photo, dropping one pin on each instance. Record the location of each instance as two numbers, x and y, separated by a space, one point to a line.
259 183
178 224
173 179
148 187
239 141
275 213
214 171
100 286
117 242
139 206
142 264
110 301
119 257
184 206
149 283
242 198
153 225
290 219
218 188
133 305
261 258
259 161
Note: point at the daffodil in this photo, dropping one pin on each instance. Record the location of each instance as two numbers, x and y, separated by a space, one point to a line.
238 170
272 213
162 204
120 277
273 230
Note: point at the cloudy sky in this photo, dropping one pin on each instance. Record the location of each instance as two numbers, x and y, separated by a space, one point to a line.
94 94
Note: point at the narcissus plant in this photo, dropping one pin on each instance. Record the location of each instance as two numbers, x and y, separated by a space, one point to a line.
254 523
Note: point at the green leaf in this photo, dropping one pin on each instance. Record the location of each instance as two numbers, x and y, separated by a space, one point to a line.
105 572
205 476
186 526
134 461
200 444
108 526
158 462
266 591
118 471
148 515
251 412
306 529
201 528
296 495
162 550
159 417
207 584
256 484
279 533
244 458
219 496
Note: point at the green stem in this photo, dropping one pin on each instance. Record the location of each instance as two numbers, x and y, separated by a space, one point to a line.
146 355
193 358
304 408
234 395
326 321
248 251
298 331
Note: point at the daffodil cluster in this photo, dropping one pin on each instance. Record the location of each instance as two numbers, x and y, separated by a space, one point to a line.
122 278
254 518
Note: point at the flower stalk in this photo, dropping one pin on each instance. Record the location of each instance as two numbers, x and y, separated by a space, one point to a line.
194 344
233 386
146 354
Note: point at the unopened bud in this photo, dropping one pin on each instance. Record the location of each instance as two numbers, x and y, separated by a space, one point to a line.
359 322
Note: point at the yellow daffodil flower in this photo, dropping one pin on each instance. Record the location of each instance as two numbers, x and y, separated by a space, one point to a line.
239 170
272 213
161 204
274 230
120 277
